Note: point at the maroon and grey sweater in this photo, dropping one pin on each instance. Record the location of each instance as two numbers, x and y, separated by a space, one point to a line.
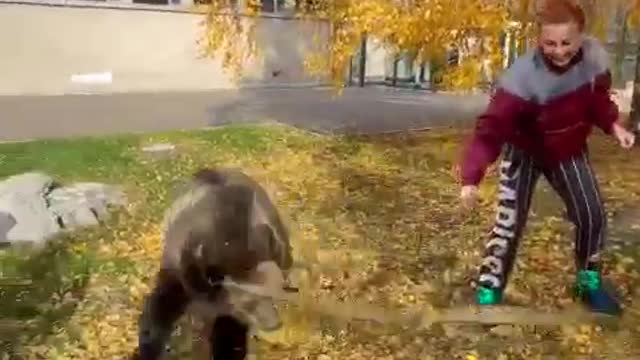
545 111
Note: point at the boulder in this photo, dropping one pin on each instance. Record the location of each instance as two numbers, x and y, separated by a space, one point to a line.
27 183
7 222
83 204
159 151
23 203
33 208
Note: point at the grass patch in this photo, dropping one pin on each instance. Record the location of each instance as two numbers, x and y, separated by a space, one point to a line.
68 159
389 202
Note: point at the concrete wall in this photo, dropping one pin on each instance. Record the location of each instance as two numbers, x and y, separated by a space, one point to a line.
377 58
43 47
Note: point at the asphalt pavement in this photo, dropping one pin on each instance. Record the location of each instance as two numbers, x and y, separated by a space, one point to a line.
358 110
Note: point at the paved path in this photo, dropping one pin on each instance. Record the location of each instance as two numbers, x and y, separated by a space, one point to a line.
361 110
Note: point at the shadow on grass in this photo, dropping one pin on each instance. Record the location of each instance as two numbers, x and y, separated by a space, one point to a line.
40 291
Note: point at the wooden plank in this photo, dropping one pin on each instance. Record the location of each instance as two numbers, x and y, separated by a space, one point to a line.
15 282
7 326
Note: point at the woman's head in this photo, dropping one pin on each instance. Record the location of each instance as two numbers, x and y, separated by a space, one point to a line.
561 25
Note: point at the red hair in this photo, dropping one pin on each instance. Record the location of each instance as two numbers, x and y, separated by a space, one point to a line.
560 12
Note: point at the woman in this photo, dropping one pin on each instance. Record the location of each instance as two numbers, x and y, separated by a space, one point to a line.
542 111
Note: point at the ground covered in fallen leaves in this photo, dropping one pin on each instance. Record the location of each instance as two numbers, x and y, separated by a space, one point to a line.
382 209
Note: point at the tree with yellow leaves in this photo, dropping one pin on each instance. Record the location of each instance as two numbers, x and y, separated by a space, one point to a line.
424 29
421 30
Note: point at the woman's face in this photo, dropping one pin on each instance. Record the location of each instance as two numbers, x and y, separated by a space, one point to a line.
560 42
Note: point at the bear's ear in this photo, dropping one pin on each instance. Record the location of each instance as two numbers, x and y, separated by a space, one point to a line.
192 269
210 176
261 242
197 252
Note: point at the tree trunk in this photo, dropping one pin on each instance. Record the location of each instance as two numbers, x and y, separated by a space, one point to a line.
362 68
621 49
394 79
350 72
634 116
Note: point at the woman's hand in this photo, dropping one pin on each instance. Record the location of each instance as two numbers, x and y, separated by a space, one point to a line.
625 137
469 196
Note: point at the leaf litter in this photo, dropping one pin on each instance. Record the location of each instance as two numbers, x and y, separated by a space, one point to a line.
377 220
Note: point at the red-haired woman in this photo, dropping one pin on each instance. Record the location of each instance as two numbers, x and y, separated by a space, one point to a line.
541 114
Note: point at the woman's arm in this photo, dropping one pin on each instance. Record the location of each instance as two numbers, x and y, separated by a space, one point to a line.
493 129
604 109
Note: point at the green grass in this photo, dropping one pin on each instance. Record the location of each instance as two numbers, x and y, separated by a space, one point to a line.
64 268
390 200
68 158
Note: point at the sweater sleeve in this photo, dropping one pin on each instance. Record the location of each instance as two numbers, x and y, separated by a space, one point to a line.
493 128
604 110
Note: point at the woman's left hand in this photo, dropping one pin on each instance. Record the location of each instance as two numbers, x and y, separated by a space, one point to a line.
625 137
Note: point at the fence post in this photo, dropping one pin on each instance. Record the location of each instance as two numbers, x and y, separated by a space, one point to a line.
363 61
394 79
350 73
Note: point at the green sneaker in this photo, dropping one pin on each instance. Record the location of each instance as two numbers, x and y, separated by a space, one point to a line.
488 296
589 289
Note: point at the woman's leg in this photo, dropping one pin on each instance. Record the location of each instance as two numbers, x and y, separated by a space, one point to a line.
575 182
518 177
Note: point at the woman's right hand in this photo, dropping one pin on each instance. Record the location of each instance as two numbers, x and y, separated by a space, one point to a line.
625 137
469 196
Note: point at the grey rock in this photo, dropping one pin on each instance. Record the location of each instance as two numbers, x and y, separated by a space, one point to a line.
160 147
159 151
78 217
22 199
27 183
32 210
34 222
84 204
7 221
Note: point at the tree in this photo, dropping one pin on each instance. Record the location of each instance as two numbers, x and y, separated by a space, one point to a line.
422 28
229 32
632 22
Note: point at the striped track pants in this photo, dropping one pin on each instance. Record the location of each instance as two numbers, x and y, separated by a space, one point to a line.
576 184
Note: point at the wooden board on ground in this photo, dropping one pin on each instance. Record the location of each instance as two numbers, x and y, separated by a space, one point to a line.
425 316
